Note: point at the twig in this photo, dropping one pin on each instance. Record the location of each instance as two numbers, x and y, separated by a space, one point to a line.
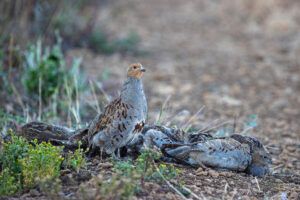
217 126
225 190
170 119
78 118
95 96
208 125
192 118
246 130
234 124
40 99
202 195
159 117
168 183
278 167
257 184
48 23
191 192
99 85
18 96
234 193
12 85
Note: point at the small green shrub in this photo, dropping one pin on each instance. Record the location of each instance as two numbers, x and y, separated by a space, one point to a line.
25 165
118 188
76 160
41 164
8 182
130 175
12 152
125 168
11 175
145 166
46 72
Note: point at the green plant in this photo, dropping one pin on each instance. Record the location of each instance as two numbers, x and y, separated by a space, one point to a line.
11 152
8 184
75 160
46 71
118 188
130 175
148 169
25 165
11 175
6 117
41 164
144 167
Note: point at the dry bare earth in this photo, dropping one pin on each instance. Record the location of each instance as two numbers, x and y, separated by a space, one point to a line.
236 58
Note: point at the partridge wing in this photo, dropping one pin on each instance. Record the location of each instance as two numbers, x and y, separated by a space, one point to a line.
115 120
222 153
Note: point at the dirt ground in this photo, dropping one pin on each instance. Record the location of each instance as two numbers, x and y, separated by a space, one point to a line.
238 58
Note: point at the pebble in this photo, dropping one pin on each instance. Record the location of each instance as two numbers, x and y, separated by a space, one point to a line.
202 173
105 165
291 148
213 173
34 192
245 197
294 195
278 181
198 184
200 169
226 174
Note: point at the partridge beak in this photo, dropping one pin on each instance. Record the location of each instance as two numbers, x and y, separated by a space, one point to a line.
143 69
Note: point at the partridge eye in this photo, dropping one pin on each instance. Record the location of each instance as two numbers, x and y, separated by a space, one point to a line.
134 67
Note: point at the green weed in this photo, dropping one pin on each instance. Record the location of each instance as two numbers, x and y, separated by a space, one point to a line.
8 184
46 71
130 175
75 160
25 165
41 164
118 188
11 174
6 117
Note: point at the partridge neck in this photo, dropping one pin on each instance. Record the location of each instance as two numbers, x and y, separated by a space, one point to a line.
132 91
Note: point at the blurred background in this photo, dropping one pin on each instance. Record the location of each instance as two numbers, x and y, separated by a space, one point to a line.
62 61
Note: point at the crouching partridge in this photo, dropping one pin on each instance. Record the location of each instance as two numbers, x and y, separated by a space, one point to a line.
236 152
123 118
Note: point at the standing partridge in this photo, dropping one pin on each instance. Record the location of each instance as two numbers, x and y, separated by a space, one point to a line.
123 118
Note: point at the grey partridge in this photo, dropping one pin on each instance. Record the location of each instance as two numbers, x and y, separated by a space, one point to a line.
123 118
236 152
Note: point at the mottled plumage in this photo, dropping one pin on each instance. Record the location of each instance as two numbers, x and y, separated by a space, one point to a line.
237 152
124 117
218 153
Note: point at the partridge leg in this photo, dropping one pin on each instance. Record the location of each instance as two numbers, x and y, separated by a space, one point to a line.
116 154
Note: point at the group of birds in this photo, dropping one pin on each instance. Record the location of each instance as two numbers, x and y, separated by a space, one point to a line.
124 119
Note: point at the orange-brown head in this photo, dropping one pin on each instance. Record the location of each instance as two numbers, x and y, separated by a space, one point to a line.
136 70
